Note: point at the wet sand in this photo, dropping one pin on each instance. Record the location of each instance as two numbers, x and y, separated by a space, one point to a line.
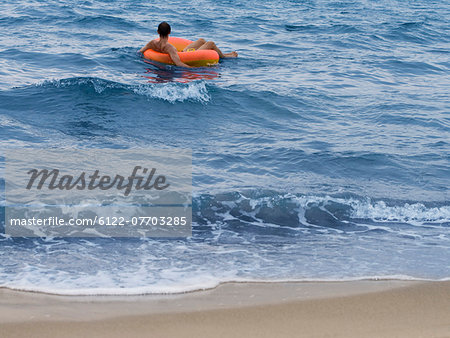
324 309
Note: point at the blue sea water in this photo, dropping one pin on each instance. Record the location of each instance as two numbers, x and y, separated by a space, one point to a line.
321 153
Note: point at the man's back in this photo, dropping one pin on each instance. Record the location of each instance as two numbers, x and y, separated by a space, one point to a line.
162 47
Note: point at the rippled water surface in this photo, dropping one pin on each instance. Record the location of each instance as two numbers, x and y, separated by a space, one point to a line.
322 152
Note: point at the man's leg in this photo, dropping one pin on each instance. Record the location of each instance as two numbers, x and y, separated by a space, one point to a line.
212 45
195 45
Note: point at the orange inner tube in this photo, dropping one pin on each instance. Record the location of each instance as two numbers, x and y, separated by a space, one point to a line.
196 58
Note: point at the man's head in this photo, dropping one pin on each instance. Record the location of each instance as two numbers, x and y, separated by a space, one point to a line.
164 29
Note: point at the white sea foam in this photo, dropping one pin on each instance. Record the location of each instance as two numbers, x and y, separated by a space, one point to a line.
416 212
175 92
380 211
191 286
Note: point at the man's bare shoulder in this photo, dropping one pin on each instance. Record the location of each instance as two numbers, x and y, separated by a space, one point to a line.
153 43
168 48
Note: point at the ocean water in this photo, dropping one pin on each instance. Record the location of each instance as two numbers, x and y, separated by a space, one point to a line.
321 153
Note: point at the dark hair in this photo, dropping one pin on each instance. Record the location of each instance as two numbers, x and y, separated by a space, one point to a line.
164 29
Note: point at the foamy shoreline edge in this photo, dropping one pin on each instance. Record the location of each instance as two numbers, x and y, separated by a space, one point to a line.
147 291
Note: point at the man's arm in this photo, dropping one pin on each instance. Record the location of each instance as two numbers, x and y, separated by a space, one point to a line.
175 57
147 46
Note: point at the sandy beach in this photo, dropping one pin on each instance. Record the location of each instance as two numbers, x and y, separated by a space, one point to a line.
328 309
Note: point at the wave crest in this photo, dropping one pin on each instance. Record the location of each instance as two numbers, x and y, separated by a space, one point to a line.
271 208
175 92
171 92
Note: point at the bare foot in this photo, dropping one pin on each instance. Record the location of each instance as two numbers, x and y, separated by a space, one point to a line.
231 55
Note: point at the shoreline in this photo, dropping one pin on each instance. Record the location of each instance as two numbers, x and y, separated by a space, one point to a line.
342 309
107 292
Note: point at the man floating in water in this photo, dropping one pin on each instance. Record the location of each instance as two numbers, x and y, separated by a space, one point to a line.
163 46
